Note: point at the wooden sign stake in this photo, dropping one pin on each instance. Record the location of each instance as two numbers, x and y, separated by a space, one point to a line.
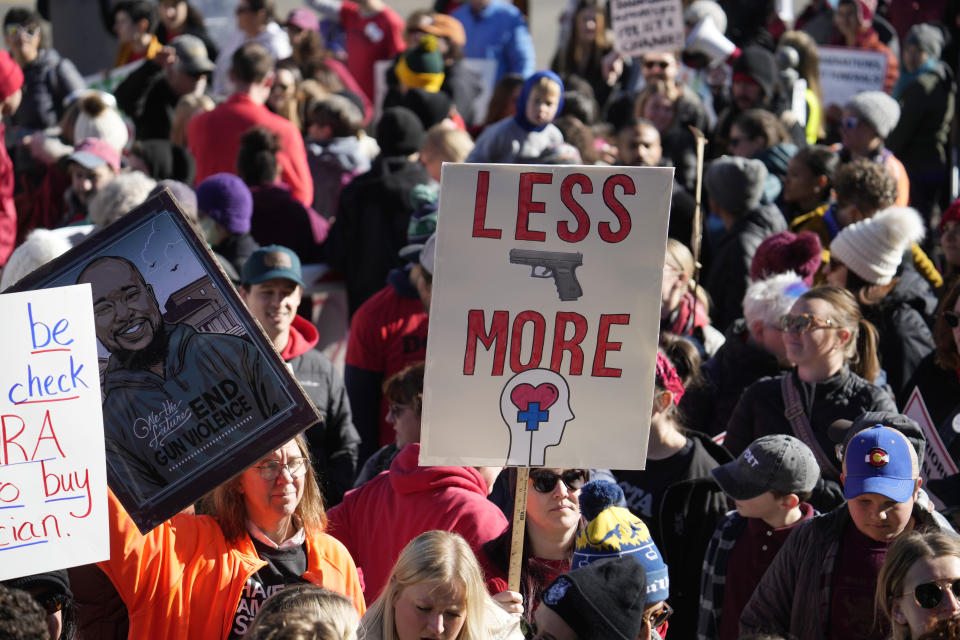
519 522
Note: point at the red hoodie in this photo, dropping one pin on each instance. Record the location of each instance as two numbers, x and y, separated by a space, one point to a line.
376 521
303 337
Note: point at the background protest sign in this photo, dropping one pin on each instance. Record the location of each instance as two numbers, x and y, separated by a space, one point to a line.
555 371
193 392
937 462
647 25
53 481
845 72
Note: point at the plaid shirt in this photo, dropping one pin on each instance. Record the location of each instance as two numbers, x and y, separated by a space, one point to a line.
714 576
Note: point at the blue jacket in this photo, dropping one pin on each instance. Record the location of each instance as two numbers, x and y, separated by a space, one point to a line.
499 32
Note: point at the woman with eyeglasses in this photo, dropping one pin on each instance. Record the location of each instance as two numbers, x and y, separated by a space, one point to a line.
206 576
48 78
552 524
938 375
436 591
865 258
834 352
919 582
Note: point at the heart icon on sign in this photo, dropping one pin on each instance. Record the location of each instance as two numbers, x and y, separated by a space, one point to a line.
523 394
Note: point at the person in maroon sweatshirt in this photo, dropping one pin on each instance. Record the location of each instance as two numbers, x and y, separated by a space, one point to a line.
272 286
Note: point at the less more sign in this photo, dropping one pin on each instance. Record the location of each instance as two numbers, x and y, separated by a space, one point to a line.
544 315
53 483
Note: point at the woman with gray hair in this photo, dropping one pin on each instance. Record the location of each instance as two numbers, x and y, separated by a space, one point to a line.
119 197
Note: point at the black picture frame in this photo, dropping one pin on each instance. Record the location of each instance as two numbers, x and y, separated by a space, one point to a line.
223 398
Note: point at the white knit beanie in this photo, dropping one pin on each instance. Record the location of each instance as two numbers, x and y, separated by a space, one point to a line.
97 119
873 248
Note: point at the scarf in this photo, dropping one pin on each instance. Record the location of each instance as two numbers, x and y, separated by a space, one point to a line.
906 79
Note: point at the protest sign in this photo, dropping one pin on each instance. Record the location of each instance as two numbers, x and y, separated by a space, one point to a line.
647 25
556 371
937 462
845 72
53 482
110 79
193 392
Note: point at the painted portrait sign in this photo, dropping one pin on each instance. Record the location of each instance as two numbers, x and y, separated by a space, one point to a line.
192 390
544 315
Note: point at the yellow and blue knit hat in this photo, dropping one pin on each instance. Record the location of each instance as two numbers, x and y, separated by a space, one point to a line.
613 531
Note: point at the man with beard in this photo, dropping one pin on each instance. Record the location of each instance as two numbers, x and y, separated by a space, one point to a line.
169 390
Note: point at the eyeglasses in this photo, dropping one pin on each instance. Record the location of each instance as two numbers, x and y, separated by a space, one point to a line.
850 123
650 64
269 470
804 323
546 481
655 619
929 595
952 319
26 31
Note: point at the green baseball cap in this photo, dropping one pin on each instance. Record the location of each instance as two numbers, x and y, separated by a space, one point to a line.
271 262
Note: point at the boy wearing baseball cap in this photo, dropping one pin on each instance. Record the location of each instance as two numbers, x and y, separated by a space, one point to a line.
822 583
769 483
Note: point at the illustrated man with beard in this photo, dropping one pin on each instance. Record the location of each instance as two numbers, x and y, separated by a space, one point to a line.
169 390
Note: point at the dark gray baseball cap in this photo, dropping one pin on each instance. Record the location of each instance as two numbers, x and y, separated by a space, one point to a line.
772 463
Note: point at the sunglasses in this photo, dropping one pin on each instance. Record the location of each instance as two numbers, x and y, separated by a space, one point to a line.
28 31
850 123
804 323
929 595
546 481
655 619
650 64
952 319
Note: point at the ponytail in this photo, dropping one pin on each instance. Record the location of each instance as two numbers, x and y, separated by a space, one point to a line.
866 363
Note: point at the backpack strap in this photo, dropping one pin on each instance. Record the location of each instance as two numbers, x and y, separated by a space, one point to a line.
800 424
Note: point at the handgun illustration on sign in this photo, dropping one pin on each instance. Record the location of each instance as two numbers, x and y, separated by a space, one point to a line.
559 265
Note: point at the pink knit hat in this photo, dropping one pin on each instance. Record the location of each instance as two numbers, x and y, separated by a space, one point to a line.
787 251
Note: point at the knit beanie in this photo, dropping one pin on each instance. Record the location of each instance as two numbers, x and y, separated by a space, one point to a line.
423 221
227 199
11 76
97 119
952 214
736 183
421 67
787 251
877 109
430 108
399 132
600 601
613 531
758 64
927 37
182 193
873 248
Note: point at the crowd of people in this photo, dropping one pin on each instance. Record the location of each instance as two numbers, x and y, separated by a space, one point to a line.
810 290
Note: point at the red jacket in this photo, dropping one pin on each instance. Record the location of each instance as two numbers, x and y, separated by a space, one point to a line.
8 212
376 521
184 579
214 141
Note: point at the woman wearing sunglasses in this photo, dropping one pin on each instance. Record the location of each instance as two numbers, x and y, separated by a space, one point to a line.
553 521
206 576
919 582
865 259
834 351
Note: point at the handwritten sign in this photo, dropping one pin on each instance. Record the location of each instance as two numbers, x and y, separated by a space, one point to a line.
193 392
845 72
937 462
53 481
647 25
544 315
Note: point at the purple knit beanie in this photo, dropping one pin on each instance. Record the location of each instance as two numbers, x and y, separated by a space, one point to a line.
225 198
787 251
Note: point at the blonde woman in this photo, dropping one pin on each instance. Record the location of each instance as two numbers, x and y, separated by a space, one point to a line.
919 582
436 590
684 306
315 604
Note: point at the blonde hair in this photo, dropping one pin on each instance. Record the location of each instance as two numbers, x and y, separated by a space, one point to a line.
861 348
294 625
434 556
316 604
227 505
448 144
186 108
906 550
679 257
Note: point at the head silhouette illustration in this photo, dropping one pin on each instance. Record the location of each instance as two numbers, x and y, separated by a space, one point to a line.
535 405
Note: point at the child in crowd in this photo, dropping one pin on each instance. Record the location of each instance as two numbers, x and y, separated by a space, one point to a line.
769 484
333 150
530 131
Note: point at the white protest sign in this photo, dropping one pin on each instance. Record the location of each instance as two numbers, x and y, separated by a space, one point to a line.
544 315
110 79
647 25
845 72
53 482
937 462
